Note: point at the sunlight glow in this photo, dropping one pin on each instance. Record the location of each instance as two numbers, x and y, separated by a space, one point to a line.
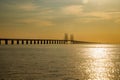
98 52
97 67
85 1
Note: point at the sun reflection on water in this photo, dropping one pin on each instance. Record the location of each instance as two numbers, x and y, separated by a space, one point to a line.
97 68
98 52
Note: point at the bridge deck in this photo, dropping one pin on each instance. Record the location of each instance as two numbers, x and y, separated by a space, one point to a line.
38 41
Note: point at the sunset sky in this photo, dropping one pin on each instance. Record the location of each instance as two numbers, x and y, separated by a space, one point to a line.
87 20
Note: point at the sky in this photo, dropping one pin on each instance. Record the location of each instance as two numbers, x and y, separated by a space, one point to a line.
87 20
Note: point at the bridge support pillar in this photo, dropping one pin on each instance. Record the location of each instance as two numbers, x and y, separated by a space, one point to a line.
47 42
63 42
22 41
12 42
51 41
0 42
44 41
30 41
6 42
38 42
17 41
59 41
26 41
56 41
66 42
34 41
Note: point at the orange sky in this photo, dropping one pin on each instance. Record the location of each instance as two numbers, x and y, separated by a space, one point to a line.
87 20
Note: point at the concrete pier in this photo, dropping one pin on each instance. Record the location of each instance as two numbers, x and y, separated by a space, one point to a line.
41 42
30 41
6 42
22 41
12 42
27 41
34 41
17 41
38 42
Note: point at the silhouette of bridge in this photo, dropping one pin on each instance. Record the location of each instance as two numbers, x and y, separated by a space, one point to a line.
13 41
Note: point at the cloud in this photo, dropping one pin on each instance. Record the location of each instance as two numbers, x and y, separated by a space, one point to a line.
36 22
100 15
104 16
85 20
78 10
27 7
72 10
84 16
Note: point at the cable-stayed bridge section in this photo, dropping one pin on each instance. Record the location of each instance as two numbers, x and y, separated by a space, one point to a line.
17 41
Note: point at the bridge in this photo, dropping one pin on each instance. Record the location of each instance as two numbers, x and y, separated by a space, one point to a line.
7 41
17 41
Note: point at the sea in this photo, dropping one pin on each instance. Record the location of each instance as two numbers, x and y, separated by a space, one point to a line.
60 62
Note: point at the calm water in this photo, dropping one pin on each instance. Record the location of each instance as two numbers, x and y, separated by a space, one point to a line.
60 62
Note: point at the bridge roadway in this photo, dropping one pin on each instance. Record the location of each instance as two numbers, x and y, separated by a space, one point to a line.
11 41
